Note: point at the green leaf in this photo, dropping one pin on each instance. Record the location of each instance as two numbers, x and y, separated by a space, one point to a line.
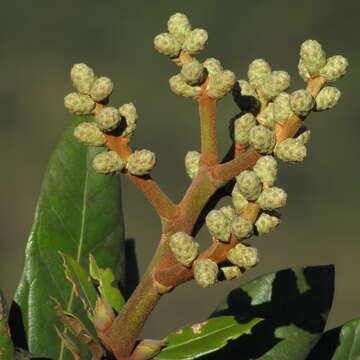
203 338
7 350
294 303
78 213
106 278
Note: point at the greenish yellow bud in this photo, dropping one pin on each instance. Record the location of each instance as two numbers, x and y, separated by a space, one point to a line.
79 104
89 134
205 272
128 111
108 162
243 256
242 127
245 96
272 198
231 272
184 248
313 56
101 88
327 98
218 225
303 71
238 199
193 72
266 117
179 26
258 71
282 108
141 162
220 84
192 160
304 137
103 315
274 84
301 102
82 77
266 223
249 184
166 44
108 118
213 66
290 150
179 86
195 41
228 211
335 68
262 139
241 227
266 169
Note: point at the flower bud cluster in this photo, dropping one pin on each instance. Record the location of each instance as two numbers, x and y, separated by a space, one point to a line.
184 248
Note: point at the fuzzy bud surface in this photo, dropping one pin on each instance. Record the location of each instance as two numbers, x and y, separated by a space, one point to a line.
335 67
266 223
327 98
242 127
179 26
167 44
301 102
82 77
89 134
220 84
205 272
195 41
249 184
218 225
282 109
243 256
231 272
193 72
272 198
266 168
258 71
179 86
262 139
238 199
79 104
291 150
241 227
213 66
101 88
192 160
184 248
108 162
141 162
313 56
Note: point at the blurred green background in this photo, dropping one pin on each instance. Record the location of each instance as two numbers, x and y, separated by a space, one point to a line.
41 39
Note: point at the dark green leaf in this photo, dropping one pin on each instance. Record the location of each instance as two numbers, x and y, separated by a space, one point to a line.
203 338
78 213
7 351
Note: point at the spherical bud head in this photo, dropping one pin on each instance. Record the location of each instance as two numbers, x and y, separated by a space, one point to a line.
266 117
266 168
303 71
335 68
262 139
228 211
218 225
141 162
282 109
249 185
79 104
258 71
245 96
192 160
272 198
128 111
220 84
301 102
195 41
242 127
243 256
304 137
82 77
238 200
193 72
266 223
213 66
241 227
108 118
231 272
179 86
313 56
179 26
274 84
184 248
166 44
205 272
101 88
108 162
327 98
89 134
291 150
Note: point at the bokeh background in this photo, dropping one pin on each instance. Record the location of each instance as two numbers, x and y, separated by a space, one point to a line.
41 39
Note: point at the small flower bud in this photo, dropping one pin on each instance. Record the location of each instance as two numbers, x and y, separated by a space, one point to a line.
108 162
243 256
290 150
79 104
82 77
184 248
266 223
128 111
262 139
272 198
242 127
241 227
180 87
218 225
259 70
141 162
205 272
249 184
231 272
301 102
108 118
282 108
193 72
266 169
192 160
335 68
228 211
220 84
245 96
327 98
274 84
179 26
195 41
304 137
213 66
313 56
166 44
89 134
101 88
238 199
303 71
266 117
